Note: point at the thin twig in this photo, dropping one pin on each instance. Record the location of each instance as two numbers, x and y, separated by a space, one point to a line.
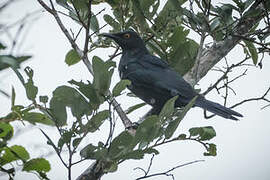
263 97
166 173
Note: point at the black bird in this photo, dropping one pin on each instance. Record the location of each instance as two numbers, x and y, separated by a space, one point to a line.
153 81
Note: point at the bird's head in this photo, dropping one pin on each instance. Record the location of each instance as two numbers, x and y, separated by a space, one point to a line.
127 40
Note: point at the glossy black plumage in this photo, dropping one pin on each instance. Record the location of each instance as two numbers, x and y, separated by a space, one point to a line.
154 81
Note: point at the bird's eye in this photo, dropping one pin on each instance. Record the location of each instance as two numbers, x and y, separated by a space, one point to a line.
126 36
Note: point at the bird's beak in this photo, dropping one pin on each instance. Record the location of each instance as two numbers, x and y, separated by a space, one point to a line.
112 36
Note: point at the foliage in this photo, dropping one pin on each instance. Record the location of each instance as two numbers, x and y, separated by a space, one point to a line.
166 33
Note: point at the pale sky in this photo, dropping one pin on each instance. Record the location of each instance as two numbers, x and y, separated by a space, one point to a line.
243 146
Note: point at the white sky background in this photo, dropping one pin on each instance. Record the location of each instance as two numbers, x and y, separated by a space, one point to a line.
243 146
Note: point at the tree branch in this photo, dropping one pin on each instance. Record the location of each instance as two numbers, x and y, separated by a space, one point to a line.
211 56
167 173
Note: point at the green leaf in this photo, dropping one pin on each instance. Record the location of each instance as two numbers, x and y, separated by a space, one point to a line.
139 15
94 25
182 136
183 51
43 99
138 154
215 24
30 88
82 8
120 145
11 61
37 164
2 46
90 92
65 139
72 57
6 131
167 109
253 51
13 95
93 152
149 7
13 153
174 123
102 74
120 86
204 133
112 167
133 108
211 150
97 120
76 142
65 96
35 117
147 131
111 21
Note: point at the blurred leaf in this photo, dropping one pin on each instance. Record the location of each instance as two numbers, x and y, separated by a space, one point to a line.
211 150
183 51
149 7
121 145
35 117
147 131
167 109
97 120
102 74
72 57
93 152
240 5
2 46
64 4
37 164
174 123
248 3
94 25
76 142
112 22
253 51
139 15
6 131
138 154
43 99
113 166
215 23
169 13
63 97
13 153
225 13
82 8
135 107
120 86
65 139
90 92
13 96
182 136
204 133
11 61
30 88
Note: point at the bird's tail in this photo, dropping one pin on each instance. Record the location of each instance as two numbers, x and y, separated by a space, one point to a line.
217 108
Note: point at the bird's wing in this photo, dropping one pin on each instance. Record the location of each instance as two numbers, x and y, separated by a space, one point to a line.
149 60
155 73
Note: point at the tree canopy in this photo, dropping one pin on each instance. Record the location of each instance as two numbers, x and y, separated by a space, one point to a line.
79 109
